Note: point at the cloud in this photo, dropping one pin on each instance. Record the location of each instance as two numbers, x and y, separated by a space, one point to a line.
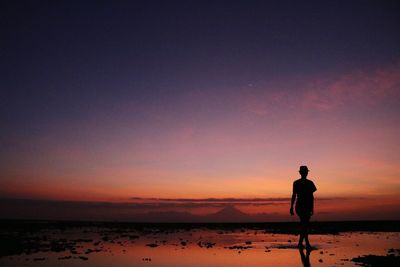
362 87
206 202
325 93
211 202
209 199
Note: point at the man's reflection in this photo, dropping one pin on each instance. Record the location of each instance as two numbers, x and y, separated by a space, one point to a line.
305 258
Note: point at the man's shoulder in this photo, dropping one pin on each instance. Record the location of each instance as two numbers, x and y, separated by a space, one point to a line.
303 181
297 181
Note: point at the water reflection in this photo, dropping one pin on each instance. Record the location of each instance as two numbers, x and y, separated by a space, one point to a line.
305 258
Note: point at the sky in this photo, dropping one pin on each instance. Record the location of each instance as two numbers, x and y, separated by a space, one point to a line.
198 106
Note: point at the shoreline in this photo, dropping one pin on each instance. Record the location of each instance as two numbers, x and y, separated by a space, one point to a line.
317 227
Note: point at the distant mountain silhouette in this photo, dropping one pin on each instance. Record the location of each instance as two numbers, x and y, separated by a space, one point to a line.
105 211
228 214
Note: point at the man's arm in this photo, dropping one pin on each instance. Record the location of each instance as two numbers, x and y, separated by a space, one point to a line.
312 204
292 201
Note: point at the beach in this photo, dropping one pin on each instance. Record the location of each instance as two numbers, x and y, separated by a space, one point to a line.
41 243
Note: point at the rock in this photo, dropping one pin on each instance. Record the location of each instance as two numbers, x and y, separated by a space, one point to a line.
239 247
65 258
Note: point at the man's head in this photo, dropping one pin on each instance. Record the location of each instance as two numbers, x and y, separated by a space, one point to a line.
303 171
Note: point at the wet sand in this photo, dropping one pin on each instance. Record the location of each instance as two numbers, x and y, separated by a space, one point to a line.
124 244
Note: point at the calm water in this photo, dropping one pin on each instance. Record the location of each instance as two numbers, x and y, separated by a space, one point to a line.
189 248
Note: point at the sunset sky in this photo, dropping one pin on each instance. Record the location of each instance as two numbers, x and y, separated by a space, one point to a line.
159 105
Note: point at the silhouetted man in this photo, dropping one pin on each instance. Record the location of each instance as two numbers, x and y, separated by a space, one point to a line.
303 189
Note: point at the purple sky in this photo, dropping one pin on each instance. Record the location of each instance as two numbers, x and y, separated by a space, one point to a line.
109 100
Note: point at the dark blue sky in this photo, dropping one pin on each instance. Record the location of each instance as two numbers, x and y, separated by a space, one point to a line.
58 55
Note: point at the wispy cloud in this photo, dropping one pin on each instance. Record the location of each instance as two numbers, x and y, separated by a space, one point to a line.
206 202
326 92
209 199
211 202
361 87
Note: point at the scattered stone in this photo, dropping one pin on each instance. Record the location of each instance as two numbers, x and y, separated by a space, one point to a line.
205 244
375 261
152 245
65 257
82 240
238 247
394 251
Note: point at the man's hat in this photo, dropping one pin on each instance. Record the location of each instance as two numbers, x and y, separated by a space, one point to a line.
303 168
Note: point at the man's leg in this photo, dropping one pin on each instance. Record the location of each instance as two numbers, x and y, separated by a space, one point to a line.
301 238
306 225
